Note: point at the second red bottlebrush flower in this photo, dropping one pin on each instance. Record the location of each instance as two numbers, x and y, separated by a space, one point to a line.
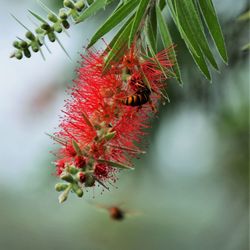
105 119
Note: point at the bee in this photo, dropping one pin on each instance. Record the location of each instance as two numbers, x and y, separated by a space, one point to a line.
139 98
115 211
141 95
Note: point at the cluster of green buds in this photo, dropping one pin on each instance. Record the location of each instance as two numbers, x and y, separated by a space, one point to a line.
48 28
76 179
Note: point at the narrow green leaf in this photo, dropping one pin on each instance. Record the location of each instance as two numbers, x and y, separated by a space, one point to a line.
37 16
76 148
119 46
244 17
65 51
145 79
151 35
113 41
91 10
246 47
190 21
213 25
115 164
189 38
117 16
141 10
177 23
167 41
162 4
41 53
20 22
86 119
46 8
153 18
201 63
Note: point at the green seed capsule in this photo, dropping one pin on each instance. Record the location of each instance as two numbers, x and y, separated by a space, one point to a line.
65 24
16 44
68 4
67 177
53 18
30 36
79 5
77 190
27 52
74 15
72 169
64 195
61 187
62 14
52 36
35 46
18 54
40 42
23 44
39 31
57 27
46 26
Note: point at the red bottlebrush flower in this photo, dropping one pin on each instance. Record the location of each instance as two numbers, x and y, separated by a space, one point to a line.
80 162
101 125
60 165
101 171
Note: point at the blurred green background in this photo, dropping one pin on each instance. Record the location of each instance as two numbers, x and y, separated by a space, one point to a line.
191 189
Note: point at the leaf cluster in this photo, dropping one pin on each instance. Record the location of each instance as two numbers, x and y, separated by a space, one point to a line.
143 20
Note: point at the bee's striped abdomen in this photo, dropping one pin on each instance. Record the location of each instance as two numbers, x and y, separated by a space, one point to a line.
137 99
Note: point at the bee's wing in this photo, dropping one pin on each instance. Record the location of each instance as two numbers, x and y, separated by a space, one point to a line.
130 213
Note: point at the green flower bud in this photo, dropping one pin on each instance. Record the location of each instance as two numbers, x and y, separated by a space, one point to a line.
53 18
18 54
61 187
57 27
67 177
35 46
16 44
74 14
72 169
79 5
77 190
65 24
62 14
39 31
68 4
30 36
27 52
46 26
64 196
52 36
40 42
23 44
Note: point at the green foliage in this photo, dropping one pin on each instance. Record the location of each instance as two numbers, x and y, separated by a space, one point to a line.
167 40
113 20
138 20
